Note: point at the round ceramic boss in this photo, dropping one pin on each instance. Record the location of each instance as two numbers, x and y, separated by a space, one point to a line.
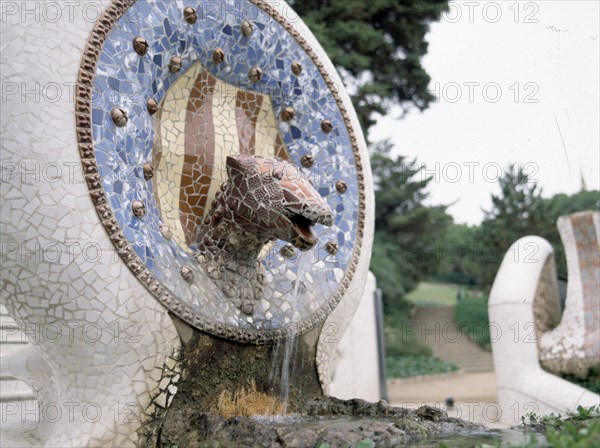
163 84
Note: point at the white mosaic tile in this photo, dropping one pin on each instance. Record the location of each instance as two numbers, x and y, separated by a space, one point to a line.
117 340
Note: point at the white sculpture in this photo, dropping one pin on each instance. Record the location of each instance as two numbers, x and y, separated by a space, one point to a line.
103 353
100 342
523 307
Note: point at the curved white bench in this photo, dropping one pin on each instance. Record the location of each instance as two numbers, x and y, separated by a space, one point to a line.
525 286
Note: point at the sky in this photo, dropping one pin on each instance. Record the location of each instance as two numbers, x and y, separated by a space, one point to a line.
517 82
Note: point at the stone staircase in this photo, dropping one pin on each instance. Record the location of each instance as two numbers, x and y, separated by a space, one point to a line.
437 329
11 341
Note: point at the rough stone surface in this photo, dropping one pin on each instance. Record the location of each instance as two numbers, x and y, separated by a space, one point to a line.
336 422
227 378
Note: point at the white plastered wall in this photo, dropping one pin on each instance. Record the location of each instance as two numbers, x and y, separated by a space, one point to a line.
356 374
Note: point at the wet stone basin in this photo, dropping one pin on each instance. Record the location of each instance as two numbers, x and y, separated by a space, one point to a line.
330 422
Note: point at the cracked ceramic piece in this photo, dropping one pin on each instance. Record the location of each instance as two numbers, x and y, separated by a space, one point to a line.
101 345
205 113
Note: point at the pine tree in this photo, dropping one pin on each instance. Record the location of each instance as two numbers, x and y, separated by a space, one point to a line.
406 231
377 45
516 212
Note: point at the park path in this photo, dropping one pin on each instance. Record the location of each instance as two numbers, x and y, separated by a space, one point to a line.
437 329
472 388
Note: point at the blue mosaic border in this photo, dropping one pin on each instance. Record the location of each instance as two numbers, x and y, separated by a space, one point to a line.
125 79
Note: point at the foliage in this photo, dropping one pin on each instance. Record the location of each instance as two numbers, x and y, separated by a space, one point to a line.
592 382
405 229
581 414
471 313
460 255
365 443
580 429
572 435
398 340
517 211
472 255
413 365
377 46
560 205
388 270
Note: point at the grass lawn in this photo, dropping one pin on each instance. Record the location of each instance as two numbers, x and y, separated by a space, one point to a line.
438 294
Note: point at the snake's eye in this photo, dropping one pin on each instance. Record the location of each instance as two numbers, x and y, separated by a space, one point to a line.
278 174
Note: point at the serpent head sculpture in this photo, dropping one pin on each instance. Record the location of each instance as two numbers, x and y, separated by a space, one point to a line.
262 200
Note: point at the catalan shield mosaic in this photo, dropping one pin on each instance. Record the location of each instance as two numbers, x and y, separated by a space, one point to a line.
170 94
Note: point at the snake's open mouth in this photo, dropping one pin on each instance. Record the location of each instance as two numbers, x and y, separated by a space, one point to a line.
303 228
304 238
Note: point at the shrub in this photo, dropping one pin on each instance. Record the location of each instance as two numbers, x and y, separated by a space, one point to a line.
413 365
592 382
579 429
399 342
471 313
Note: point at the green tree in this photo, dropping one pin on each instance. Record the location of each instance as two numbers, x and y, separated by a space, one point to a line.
460 255
406 231
377 46
519 210
477 251
516 212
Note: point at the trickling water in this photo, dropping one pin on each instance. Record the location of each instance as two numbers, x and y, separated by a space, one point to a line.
289 346
291 339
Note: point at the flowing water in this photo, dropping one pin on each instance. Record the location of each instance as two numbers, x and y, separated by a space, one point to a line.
289 346
285 349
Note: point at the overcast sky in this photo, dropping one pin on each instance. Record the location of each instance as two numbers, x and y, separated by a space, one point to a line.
516 82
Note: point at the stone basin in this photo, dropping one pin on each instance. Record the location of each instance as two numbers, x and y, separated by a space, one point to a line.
332 422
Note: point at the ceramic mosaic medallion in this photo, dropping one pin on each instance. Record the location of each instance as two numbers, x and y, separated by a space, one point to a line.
173 100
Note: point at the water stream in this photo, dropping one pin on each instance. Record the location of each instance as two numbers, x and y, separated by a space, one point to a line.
289 344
